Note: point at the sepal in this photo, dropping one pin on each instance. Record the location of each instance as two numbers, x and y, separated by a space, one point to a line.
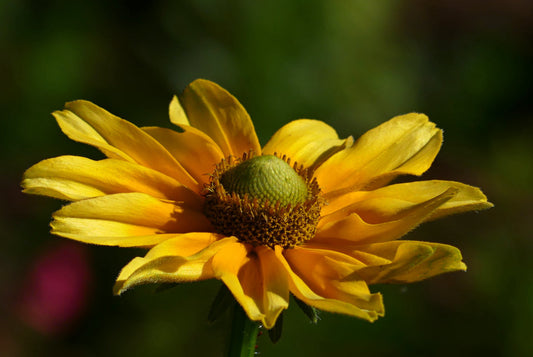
310 311
275 332
222 302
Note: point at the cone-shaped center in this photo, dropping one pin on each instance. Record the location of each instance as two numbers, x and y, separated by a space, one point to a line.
267 178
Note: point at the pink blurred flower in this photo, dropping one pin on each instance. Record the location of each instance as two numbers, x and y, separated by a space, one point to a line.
54 293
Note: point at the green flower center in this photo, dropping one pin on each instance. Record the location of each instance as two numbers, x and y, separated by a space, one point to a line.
266 178
262 200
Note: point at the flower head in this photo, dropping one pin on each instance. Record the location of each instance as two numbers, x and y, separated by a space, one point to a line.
309 213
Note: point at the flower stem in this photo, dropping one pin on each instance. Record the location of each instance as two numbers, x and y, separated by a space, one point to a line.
243 334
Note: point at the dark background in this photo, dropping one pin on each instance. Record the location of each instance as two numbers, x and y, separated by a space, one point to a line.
353 64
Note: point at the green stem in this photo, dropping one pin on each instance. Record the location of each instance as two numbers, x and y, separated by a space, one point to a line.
243 334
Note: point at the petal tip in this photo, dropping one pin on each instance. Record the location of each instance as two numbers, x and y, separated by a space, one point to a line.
118 288
462 267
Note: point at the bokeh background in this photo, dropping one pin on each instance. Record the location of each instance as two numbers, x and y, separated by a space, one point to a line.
352 63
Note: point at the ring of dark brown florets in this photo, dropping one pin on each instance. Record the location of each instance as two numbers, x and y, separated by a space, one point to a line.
261 223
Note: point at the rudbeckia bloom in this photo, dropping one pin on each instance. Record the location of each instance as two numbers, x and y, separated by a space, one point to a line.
309 214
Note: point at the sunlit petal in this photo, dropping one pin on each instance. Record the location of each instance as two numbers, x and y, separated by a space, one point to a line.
406 144
354 228
117 138
322 280
240 271
126 219
176 113
186 257
307 142
410 261
389 202
255 278
276 285
193 149
217 113
75 178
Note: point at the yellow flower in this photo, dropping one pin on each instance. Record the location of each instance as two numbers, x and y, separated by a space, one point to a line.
190 196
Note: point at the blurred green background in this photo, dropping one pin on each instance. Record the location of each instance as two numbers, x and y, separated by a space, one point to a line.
354 64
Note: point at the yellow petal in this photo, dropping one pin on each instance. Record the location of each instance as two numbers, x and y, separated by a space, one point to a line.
307 142
176 113
227 264
327 273
354 228
324 279
80 130
256 279
117 138
183 258
410 261
406 144
217 113
388 203
75 178
348 248
126 220
276 286
193 149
